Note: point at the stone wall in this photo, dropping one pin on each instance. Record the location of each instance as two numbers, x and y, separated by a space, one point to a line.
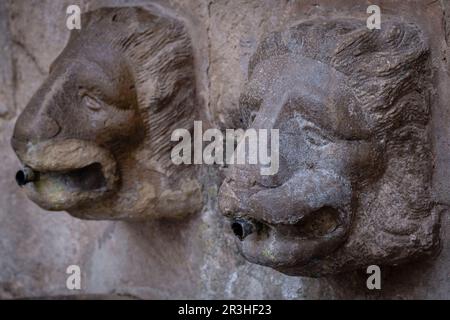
193 258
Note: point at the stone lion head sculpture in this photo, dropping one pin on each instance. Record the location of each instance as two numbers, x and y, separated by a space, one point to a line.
352 106
95 138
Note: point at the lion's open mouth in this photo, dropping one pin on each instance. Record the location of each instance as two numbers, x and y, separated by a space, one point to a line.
318 224
88 178
285 245
66 174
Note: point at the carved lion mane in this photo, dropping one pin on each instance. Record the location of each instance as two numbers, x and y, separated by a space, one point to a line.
158 48
137 67
390 73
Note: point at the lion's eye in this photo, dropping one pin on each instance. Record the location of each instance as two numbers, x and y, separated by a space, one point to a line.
315 136
91 103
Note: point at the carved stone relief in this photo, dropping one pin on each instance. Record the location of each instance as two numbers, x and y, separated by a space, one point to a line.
352 106
95 138
353 113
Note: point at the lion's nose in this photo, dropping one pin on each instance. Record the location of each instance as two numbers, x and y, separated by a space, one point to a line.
30 129
26 175
242 228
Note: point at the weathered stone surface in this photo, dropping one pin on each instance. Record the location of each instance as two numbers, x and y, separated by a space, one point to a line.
195 258
6 66
97 133
353 186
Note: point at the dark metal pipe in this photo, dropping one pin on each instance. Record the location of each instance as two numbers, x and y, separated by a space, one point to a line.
26 175
242 228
